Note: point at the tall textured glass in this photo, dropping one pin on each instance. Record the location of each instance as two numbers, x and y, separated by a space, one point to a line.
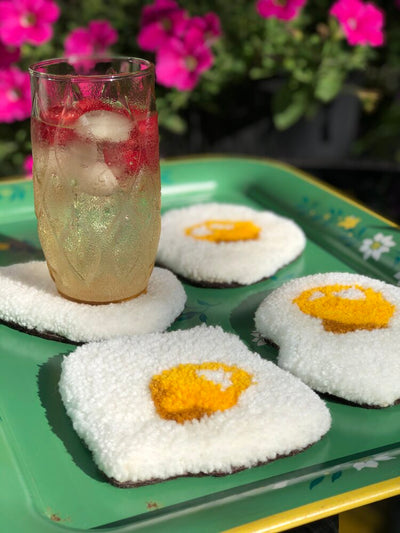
96 174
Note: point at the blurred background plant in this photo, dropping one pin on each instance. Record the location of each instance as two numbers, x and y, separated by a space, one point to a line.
212 56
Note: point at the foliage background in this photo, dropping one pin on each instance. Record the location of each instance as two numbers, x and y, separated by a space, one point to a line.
311 64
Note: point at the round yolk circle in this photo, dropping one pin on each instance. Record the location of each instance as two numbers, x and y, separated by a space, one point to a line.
224 231
344 308
191 391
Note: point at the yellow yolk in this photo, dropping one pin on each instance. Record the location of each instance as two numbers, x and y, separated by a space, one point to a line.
344 308
224 230
191 391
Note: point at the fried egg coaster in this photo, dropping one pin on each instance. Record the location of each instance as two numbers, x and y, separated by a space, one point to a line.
218 244
30 302
190 402
339 333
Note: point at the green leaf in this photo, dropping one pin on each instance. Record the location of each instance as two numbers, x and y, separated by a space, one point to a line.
288 106
329 83
7 148
173 123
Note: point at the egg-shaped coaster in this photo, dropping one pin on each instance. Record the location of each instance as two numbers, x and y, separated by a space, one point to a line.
30 302
339 333
185 403
222 245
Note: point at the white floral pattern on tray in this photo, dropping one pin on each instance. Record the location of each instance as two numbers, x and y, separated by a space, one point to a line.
372 244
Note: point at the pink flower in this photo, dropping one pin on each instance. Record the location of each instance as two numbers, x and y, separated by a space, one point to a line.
280 9
15 95
182 44
27 21
362 23
93 40
159 22
210 25
181 60
8 55
28 166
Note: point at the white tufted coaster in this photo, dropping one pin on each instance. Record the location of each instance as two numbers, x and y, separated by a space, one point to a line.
361 366
240 262
105 387
30 301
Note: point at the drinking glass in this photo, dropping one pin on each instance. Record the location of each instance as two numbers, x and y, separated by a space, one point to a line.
96 174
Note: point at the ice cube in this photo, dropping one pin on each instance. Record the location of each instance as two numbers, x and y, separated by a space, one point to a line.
77 155
81 163
74 158
97 180
104 125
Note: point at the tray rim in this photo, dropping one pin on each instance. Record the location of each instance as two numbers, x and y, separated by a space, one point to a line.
306 176
311 512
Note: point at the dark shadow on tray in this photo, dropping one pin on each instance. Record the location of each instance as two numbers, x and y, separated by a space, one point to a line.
60 423
342 401
48 335
200 283
242 322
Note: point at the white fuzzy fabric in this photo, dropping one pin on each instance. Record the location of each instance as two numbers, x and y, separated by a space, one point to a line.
105 389
244 262
28 297
360 366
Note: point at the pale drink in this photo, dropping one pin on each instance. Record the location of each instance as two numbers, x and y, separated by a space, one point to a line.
97 187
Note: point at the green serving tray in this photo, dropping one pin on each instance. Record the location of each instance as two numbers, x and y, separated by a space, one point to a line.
48 479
